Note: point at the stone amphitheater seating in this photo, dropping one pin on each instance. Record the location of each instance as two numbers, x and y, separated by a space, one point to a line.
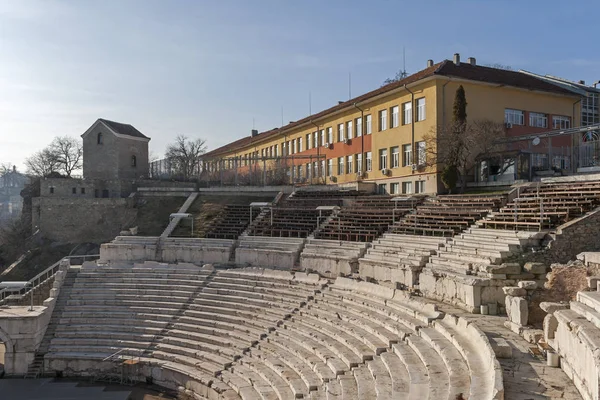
230 223
365 219
398 258
574 333
545 206
331 258
140 248
270 252
446 215
263 334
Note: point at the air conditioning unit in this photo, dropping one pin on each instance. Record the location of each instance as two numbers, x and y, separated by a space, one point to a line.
508 125
332 178
414 167
348 141
326 145
385 171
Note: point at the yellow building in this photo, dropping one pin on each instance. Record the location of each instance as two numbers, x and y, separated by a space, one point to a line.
378 137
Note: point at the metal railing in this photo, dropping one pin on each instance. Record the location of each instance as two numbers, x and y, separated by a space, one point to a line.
40 278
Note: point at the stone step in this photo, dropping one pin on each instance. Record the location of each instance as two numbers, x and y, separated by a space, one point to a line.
465 258
590 299
467 250
417 372
383 381
267 365
400 385
436 369
586 311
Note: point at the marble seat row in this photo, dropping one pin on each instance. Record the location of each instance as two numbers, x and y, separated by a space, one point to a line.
331 258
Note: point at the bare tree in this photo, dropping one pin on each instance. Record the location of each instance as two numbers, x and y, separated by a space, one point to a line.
462 147
42 163
185 155
5 168
68 153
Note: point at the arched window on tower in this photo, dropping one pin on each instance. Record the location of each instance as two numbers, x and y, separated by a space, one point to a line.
133 161
100 139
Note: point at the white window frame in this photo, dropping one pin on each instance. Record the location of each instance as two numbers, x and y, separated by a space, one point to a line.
395 157
421 111
341 136
419 186
515 117
394 188
349 164
406 113
407 155
421 152
368 122
330 167
382 120
330 135
394 120
407 187
341 170
561 122
349 130
369 161
359 162
538 120
358 127
316 139
322 135
300 150
383 155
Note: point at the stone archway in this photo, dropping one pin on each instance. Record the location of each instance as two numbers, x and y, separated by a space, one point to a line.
6 353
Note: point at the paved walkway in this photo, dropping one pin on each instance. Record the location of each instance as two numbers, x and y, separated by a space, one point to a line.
526 377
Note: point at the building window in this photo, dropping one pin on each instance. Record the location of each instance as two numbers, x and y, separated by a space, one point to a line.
74 190
407 155
100 138
300 150
421 109
330 135
51 190
82 190
368 124
308 141
349 129
538 120
133 161
316 139
276 150
340 165
421 154
406 187
560 122
406 113
330 167
341 137
515 117
349 164
358 127
359 163
394 188
382 120
394 122
382 158
395 157
419 186
368 161
322 134
382 188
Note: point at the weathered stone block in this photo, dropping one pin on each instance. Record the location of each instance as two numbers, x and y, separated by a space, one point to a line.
550 325
533 335
517 310
535 267
514 291
551 307
528 285
506 268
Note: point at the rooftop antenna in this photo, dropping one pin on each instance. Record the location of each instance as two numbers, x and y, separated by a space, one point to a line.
403 74
349 85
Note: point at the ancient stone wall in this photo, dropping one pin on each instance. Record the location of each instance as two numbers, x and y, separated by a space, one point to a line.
82 219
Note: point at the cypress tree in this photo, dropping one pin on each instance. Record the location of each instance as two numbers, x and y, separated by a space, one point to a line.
459 112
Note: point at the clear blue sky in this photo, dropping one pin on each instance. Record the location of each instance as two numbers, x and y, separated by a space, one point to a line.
208 68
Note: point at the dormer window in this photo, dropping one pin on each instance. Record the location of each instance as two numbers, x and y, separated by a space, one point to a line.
100 138
133 161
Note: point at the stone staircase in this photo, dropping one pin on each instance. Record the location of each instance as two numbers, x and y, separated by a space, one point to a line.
36 368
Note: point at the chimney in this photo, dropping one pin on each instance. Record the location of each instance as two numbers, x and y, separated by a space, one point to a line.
254 132
456 59
582 82
429 63
472 61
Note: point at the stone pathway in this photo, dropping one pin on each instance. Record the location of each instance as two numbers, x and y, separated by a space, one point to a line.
526 377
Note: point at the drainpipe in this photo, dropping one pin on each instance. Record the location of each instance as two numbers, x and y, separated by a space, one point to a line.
318 154
362 139
573 168
412 123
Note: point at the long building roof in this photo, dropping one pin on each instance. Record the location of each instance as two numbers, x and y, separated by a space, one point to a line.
444 68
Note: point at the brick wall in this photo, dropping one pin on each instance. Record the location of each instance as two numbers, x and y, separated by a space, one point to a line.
81 219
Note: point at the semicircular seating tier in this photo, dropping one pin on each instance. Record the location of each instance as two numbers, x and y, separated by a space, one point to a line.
264 334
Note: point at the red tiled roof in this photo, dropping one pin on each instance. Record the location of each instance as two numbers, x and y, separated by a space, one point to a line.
444 68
